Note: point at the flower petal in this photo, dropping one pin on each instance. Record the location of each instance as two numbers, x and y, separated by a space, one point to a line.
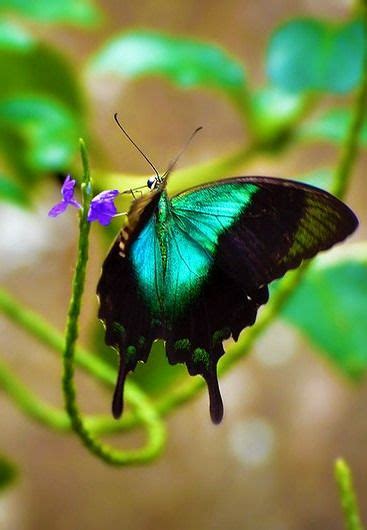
107 195
75 203
67 190
100 216
59 208
104 220
102 208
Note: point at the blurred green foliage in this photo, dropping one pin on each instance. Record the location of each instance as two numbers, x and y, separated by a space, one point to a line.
8 473
44 109
331 126
76 12
185 62
329 304
308 54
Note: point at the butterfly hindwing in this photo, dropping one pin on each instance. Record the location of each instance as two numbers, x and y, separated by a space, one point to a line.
220 310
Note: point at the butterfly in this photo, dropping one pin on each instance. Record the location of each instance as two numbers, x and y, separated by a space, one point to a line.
193 269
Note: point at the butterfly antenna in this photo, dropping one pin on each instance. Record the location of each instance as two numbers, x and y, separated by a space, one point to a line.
173 163
136 146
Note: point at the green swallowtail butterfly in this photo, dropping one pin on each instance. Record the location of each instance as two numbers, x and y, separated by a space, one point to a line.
193 269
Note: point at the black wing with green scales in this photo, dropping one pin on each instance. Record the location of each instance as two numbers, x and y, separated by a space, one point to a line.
200 276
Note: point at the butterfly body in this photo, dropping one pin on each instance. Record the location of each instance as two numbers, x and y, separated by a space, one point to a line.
194 269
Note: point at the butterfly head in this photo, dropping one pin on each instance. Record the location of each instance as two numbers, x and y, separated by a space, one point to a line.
153 182
156 182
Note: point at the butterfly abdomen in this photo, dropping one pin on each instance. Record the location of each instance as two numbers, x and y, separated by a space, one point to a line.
162 227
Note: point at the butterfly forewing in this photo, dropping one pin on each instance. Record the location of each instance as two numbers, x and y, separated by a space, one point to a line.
272 225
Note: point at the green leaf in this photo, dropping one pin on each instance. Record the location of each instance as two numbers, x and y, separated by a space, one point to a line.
11 192
308 54
39 69
42 137
14 37
79 12
330 308
185 62
46 130
8 473
332 126
275 111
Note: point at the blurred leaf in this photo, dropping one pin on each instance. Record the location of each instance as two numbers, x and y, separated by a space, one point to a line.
14 37
275 111
330 308
307 54
41 70
333 126
47 132
8 473
42 137
12 192
187 63
80 12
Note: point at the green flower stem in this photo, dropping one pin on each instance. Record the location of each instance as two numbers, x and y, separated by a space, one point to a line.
149 416
348 501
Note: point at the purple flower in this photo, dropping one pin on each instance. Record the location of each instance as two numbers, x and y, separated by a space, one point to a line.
102 208
67 192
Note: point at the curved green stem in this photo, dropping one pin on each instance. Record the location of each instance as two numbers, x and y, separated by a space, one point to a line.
347 495
37 327
147 415
32 406
29 404
57 419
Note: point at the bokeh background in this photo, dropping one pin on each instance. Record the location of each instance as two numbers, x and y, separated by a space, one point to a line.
289 411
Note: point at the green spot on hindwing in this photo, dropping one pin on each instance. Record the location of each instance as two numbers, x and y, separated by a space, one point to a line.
142 341
119 329
220 335
130 354
182 344
201 356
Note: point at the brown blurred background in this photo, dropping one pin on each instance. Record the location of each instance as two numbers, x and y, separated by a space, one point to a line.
288 415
